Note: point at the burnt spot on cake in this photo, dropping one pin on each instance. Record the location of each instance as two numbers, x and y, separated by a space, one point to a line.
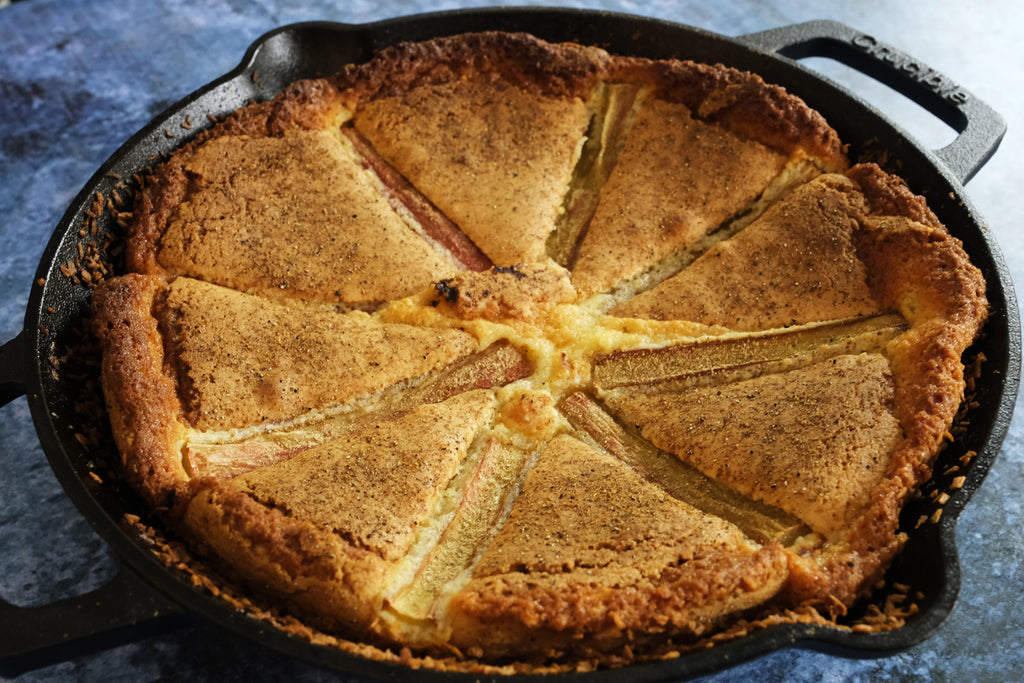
447 290
524 292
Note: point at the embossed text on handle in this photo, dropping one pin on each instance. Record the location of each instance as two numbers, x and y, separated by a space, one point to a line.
923 74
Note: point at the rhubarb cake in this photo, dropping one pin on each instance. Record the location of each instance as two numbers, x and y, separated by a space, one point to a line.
489 349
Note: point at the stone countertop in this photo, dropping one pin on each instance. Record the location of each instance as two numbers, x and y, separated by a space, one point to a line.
78 77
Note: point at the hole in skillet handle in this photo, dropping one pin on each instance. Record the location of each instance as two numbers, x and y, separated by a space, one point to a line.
980 129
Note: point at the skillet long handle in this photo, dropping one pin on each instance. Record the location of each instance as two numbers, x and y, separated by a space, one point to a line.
980 129
124 609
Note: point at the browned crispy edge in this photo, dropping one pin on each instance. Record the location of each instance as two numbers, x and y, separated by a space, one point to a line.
325 579
523 615
305 104
177 556
740 101
930 264
915 266
910 258
518 59
888 195
142 400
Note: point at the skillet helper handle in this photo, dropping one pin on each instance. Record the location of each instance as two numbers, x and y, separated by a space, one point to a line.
123 610
12 364
980 129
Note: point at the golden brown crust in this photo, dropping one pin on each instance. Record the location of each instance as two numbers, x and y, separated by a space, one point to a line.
888 195
517 616
263 215
411 476
300 360
814 442
348 485
806 259
486 125
717 136
924 273
310 568
183 357
306 105
325 528
833 577
494 158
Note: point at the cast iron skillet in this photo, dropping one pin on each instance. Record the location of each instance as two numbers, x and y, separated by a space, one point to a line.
146 596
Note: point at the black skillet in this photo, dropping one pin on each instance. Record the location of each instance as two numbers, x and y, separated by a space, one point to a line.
145 596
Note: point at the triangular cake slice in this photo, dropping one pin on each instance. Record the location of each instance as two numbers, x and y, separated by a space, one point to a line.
759 521
292 215
823 442
488 127
191 357
326 528
815 441
708 146
594 555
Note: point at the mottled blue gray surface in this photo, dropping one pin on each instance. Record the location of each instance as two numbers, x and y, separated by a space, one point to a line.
78 77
